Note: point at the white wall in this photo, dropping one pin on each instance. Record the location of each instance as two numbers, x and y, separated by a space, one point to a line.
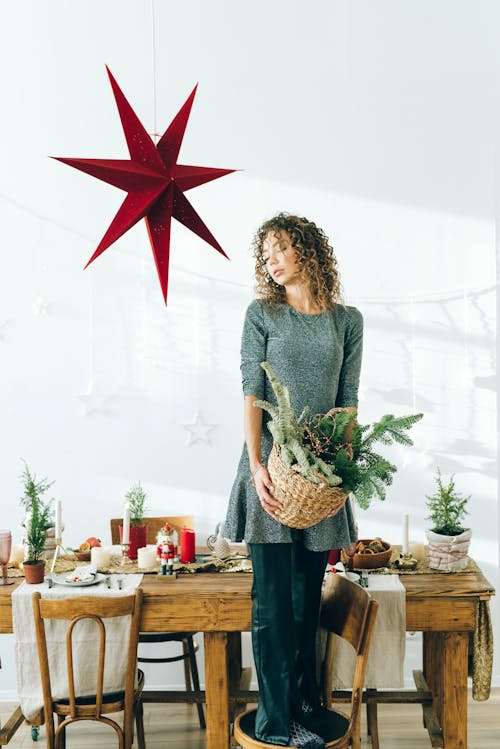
377 120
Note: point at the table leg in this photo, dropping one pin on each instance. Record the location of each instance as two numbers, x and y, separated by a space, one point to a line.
216 690
445 668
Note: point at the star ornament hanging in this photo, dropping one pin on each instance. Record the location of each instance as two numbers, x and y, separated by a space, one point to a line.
155 183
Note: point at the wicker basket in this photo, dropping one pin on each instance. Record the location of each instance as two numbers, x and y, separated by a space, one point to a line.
303 503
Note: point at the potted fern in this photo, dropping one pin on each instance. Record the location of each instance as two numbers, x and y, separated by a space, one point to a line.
37 521
136 497
317 462
448 540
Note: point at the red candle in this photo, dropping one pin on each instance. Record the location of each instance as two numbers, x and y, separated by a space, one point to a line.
187 545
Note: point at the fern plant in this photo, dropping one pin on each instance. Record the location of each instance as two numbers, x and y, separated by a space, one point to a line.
334 446
447 508
40 514
136 496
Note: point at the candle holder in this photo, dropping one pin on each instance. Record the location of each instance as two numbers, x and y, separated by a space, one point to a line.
125 560
59 551
406 562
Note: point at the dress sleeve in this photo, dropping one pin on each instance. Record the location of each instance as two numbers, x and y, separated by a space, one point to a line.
253 351
347 393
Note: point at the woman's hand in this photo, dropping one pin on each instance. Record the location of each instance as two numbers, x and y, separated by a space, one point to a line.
263 487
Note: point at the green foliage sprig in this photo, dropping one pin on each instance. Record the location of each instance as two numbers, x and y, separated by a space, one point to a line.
447 507
333 447
136 497
40 513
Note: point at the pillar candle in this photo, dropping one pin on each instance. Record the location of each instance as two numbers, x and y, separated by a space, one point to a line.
126 524
58 518
146 557
187 545
417 550
17 554
100 556
405 534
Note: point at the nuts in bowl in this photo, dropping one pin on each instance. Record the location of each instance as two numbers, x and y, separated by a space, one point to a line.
371 553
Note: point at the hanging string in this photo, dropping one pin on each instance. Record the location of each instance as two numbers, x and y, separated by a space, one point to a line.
153 62
413 357
90 287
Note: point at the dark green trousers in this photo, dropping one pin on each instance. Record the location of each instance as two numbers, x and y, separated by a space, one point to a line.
286 596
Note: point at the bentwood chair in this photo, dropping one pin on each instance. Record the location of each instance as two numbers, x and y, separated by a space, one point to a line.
98 706
349 612
189 645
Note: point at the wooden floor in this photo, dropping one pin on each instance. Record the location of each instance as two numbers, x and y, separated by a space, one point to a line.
176 727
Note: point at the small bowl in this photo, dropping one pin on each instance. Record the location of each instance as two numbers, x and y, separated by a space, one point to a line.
372 561
82 556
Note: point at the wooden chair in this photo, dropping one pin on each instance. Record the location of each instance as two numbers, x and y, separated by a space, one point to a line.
96 707
349 612
189 645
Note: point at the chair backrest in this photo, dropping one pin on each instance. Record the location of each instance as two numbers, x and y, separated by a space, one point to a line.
97 609
153 525
349 612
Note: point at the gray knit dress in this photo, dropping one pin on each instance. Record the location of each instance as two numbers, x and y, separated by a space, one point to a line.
318 357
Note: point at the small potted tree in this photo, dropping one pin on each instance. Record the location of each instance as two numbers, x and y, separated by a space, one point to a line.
136 497
37 522
448 540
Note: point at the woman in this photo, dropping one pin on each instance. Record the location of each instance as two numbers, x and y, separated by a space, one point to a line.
298 324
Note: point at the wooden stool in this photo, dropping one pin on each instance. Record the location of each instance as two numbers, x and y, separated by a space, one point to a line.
329 724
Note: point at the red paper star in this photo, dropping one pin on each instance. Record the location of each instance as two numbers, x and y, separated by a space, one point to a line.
155 183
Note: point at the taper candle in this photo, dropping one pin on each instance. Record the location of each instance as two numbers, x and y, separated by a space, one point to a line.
406 541
126 524
58 518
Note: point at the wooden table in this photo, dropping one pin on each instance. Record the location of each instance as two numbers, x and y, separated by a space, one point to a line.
443 607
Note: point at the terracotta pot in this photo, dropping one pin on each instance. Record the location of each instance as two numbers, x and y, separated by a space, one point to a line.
448 553
34 572
138 539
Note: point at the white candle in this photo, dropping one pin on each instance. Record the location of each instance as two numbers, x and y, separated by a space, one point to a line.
126 524
58 517
406 541
100 556
146 557
417 550
17 554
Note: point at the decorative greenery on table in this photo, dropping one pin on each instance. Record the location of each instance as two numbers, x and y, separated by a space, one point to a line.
447 507
136 497
40 512
333 447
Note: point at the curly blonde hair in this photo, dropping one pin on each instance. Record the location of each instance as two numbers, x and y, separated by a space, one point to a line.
314 255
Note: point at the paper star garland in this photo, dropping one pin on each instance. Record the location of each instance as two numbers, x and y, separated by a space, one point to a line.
199 431
92 402
155 183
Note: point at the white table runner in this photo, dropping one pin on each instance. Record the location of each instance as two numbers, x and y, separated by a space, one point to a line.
85 644
387 650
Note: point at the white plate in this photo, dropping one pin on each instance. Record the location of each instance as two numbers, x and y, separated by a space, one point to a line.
61 580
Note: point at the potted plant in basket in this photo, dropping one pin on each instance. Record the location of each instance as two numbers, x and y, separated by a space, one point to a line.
36 524
317 461
136 497
448 540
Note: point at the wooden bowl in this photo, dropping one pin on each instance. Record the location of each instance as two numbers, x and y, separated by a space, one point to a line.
372 561
83 556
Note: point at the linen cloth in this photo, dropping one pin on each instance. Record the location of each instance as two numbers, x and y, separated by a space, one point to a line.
387 650
85 645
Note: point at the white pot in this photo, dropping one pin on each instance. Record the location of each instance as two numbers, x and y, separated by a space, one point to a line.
448 553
